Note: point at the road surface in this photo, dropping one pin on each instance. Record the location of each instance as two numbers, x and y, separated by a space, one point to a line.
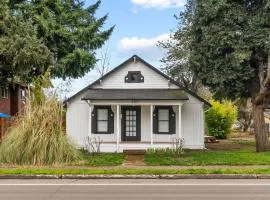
135 189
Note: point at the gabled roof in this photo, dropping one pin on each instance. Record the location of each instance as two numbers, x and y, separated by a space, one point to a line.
135 94
146 64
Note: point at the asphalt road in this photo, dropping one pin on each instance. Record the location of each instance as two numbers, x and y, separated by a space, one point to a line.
135 189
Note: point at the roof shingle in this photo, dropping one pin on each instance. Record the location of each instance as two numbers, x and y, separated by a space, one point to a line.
135 94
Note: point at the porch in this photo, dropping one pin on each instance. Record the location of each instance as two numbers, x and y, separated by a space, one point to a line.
133 126
140 120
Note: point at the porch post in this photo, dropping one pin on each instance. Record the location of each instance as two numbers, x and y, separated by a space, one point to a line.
151 124
180 120
90 120
118 126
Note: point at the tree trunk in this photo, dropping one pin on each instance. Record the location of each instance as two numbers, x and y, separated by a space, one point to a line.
259 130
245 113
246 125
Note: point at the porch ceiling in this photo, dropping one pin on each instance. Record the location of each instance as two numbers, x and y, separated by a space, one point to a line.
135 94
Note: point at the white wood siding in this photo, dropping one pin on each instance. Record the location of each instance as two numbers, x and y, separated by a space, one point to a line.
151 79
193 125
77 121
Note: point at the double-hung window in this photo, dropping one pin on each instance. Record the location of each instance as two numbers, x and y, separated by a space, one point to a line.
4 92
22 94
164 120
102 120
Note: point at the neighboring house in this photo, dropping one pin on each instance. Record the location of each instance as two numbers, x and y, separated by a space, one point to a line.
135 106
12 99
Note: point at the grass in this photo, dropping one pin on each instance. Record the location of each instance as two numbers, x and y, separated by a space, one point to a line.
125 171
103 159
38 138
246 156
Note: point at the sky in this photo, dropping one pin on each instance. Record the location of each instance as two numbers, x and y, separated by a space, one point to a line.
139 25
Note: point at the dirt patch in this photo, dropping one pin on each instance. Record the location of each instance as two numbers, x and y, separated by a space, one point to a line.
229 145
134 157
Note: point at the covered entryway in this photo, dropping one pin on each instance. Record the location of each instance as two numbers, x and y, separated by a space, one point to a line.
136 118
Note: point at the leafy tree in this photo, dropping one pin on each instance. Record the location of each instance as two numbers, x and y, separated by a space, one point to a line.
229 49
20 49
69 31
220 118
178 53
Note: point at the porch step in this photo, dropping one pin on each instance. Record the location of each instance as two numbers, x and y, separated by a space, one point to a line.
134 157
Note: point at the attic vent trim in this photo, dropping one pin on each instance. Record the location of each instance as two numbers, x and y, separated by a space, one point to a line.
134 59
134 77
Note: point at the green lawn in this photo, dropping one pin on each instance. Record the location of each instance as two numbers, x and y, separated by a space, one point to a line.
102 159
127 171
246 156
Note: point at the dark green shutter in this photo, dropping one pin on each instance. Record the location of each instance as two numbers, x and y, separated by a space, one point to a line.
172 121
155 120
110 121
94 120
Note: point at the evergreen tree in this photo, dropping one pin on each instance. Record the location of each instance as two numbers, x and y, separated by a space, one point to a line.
22 54
229 46
70 32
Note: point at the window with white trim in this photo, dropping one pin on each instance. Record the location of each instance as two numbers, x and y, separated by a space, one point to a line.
163 120
102 120
4 92
22 94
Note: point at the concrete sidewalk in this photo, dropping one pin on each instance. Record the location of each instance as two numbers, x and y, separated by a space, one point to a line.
163 176
173 167
176 167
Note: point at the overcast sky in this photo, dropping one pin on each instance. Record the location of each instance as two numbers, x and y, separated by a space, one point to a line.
140 24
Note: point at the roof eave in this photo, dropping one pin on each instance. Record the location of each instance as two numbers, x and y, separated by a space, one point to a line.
147 64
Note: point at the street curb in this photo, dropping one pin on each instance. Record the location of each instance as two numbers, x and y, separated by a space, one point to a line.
177 176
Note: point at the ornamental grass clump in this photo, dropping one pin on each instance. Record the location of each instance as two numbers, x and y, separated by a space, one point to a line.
38 137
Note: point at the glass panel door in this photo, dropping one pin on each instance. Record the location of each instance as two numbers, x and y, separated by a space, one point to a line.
131 118
131 123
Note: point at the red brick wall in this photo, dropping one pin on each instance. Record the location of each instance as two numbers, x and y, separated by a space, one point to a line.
5 105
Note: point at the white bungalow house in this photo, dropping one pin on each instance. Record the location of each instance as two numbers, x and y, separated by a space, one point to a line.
135 106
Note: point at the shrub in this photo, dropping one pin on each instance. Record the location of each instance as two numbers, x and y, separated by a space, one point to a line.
38 137
220 118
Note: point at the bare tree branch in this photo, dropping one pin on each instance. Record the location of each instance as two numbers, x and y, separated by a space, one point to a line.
103 64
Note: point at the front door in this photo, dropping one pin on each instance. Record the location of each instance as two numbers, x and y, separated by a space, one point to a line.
131 123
